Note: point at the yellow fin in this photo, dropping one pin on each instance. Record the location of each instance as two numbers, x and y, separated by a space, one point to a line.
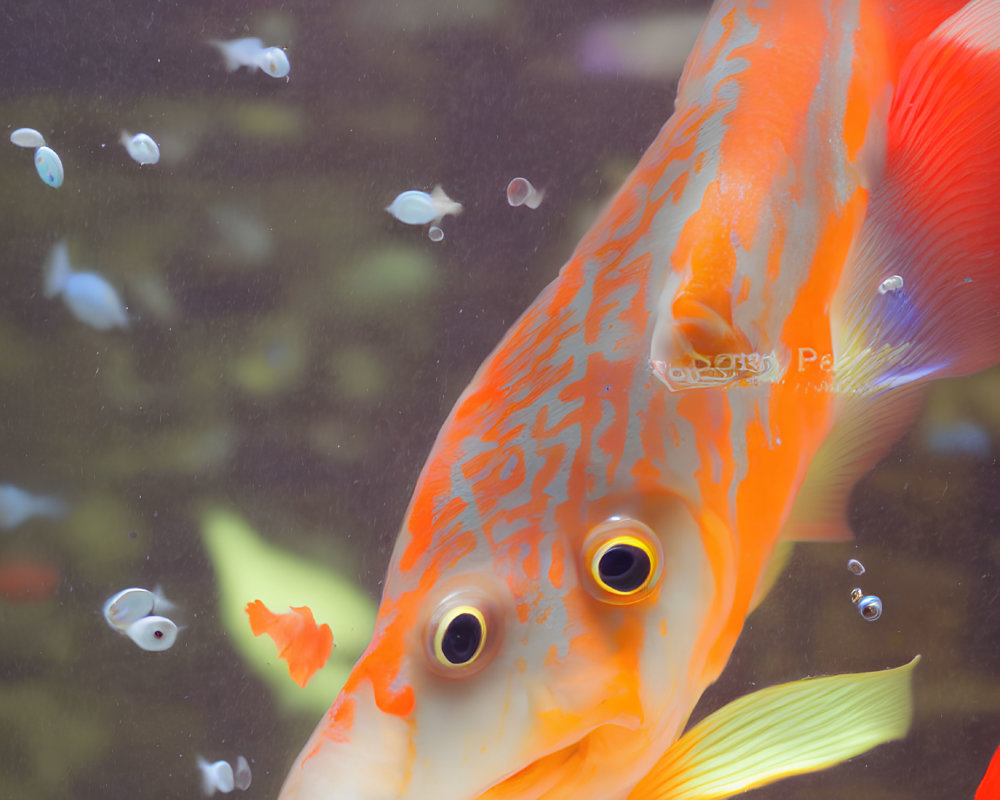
785 730
865 430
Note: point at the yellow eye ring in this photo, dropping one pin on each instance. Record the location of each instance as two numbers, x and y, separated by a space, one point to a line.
464 627
460 636
623 561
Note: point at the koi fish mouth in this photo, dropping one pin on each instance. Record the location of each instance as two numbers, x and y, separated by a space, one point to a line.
561 773
539 778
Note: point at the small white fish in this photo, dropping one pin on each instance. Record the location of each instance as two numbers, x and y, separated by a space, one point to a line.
153 633
27 137
420 208
141 147
216 777
49 166
130 605
88 296
520 192
250 52
17 506
242 774
127 607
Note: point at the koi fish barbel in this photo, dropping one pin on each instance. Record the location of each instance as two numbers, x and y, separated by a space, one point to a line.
705 379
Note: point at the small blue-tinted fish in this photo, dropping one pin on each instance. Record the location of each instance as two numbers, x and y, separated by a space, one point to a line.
219 776
216 777
49 166
250 52
88 296
414 207
17 506
142 147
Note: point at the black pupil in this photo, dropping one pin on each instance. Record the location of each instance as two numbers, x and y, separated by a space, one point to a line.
461 639
624 567
158 634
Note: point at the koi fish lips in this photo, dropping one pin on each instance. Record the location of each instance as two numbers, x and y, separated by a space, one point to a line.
571 771
384 757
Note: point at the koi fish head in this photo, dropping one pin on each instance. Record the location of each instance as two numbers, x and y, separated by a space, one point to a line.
550 663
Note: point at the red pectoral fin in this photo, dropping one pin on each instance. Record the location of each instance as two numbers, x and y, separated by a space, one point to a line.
301 643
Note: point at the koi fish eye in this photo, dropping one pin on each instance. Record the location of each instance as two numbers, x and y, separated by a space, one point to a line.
462 634
623 561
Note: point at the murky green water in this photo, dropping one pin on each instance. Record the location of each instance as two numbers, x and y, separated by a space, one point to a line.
292 351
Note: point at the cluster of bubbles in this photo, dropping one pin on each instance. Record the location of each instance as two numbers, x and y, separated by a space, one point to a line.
869 605
220 776
133 613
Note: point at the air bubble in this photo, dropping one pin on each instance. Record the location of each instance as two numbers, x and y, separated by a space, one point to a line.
891 284
520 192
870 608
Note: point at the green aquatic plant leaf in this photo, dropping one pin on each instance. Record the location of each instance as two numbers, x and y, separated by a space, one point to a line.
247 568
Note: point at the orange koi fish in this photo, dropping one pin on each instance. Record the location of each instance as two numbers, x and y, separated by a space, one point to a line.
301 643
989 789
745 330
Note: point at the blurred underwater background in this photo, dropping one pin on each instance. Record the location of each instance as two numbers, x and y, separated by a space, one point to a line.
291 351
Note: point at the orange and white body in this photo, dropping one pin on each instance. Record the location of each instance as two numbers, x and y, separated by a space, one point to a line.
708 375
